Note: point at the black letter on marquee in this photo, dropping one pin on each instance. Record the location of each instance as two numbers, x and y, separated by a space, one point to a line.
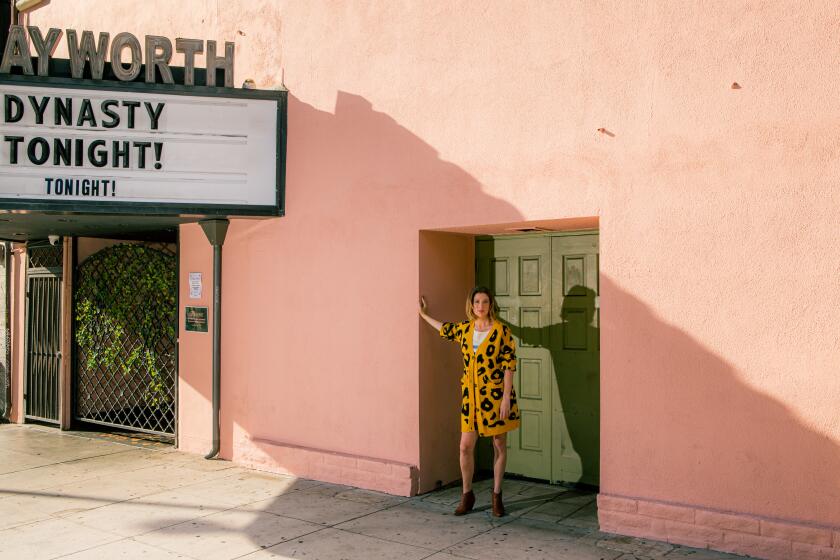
86 114
61 151
119 151
13 101
63 110
78 159
154 114
115 117
40 108
100 158
45 150
13 147
141 153
132 105
49 184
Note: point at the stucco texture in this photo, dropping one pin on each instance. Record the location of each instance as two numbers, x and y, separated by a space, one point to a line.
716 207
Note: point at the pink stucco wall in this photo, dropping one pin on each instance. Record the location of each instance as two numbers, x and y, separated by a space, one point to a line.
717 210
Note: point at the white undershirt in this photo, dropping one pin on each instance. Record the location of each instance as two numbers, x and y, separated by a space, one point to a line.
478 338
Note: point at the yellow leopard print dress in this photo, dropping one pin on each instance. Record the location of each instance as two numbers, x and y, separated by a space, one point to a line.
482 382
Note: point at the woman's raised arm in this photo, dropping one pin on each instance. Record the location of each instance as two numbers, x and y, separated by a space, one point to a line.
423 308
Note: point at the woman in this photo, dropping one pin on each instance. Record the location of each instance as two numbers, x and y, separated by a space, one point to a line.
488 402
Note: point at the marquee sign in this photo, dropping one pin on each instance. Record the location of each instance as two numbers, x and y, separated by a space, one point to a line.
97 146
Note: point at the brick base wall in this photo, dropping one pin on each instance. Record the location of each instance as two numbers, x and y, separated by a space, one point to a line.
400 479
701 528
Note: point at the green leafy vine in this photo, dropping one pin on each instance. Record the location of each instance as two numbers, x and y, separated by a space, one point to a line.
125 315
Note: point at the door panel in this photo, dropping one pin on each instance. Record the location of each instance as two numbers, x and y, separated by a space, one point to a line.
518 272
574 343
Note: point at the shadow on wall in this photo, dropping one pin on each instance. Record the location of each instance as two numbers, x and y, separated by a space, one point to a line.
577 374
360 189
674 413
678 424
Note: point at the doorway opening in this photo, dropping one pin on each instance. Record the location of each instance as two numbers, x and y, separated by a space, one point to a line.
125 325
546 285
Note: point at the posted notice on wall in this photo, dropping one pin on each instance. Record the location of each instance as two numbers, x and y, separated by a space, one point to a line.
195 285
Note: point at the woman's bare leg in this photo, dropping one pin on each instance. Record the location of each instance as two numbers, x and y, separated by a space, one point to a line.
499 461
467 458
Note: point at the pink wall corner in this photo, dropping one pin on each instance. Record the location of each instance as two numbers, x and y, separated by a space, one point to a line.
18 330
195 349
447 274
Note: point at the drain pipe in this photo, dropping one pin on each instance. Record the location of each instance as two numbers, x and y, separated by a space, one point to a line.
215 230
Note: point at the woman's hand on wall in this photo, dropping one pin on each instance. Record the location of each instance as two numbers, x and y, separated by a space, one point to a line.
423 309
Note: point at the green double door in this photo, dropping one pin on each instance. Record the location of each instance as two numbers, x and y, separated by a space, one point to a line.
547 291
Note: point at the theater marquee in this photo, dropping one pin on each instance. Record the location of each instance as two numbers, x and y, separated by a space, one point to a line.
132 146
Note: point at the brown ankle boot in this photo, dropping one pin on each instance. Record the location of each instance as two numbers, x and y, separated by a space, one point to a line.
467 503
498 506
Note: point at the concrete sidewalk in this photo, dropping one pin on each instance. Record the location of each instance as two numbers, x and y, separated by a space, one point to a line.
66 496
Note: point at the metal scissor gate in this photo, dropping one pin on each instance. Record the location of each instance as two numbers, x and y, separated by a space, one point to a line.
43 332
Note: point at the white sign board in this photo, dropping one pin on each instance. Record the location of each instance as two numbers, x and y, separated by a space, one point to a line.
106 147
195 285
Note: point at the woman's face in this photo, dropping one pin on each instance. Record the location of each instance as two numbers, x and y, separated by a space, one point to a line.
481 305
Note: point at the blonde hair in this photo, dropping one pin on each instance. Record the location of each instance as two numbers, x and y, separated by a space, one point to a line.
494 307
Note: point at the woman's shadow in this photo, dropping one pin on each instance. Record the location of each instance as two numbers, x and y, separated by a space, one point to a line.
574 345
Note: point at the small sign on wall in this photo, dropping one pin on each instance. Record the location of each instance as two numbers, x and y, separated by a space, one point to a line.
195 285
196 319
